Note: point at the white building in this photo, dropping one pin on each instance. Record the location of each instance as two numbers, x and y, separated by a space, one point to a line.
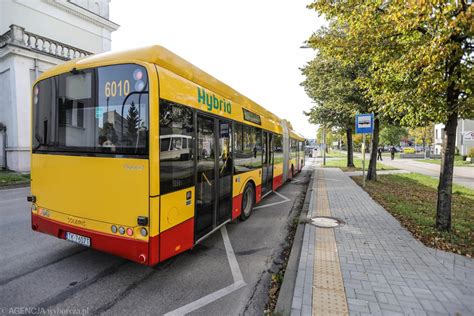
464 138
35 35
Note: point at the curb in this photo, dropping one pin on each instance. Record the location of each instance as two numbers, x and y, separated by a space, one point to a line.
285 298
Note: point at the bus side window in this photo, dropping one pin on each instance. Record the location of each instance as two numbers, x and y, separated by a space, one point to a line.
176 159
248 148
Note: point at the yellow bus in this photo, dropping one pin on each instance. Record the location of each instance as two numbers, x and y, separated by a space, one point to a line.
142 155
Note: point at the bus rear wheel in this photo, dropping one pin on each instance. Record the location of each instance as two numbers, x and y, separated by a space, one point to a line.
248 200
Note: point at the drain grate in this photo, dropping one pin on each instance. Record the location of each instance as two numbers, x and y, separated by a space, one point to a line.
326 222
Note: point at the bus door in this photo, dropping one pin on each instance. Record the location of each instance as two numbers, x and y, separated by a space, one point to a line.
225 163
214 174
267 174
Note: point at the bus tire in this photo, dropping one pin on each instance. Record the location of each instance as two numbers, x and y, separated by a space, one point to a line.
248 201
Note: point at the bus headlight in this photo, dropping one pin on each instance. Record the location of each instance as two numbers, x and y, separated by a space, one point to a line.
129 232
121 230
143 232
44 212
113 229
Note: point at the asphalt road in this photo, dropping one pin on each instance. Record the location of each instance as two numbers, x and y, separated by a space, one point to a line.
221 276
462 175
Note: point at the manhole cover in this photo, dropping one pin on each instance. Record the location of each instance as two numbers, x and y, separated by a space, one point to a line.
326 222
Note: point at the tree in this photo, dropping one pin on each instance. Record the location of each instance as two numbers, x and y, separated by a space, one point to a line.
423 135
392 135
133 123
327 117
344 78
421 57
332 86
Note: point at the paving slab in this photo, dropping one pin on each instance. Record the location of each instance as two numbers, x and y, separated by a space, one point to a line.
384 269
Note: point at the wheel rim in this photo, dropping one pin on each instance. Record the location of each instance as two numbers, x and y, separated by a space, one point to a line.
246 204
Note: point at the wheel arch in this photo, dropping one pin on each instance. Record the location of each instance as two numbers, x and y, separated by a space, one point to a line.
252 182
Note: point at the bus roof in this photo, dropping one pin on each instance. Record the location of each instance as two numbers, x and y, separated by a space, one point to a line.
164 58
295 135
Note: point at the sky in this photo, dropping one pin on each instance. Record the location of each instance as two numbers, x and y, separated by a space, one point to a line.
252 46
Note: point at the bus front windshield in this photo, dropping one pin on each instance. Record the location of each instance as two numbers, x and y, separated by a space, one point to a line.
93 111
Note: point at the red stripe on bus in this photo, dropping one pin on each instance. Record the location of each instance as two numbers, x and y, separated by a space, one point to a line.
277 181
177 239
258 197
127 248
236 206
154 250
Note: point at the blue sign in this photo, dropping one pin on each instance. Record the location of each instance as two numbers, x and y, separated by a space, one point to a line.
364 123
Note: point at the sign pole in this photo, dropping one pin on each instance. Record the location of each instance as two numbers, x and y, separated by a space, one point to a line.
363 160
324 149
364 125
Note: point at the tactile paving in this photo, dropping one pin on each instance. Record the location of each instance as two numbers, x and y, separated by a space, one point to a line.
325 302
329 297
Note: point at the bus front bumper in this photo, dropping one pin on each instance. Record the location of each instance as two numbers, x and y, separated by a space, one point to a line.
134 250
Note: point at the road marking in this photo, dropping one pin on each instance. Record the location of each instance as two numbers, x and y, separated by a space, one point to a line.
206 300
263 196
234 265
285 199
295 181
282 196
214 296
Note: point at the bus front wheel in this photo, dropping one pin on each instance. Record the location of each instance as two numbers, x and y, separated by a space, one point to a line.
248 200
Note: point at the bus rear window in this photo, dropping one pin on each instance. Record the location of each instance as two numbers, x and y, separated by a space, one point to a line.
101 110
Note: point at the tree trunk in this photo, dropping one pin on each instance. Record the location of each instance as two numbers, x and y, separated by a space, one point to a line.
445 186
350 148
372 169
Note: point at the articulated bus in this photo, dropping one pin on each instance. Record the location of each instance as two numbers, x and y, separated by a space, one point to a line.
142 155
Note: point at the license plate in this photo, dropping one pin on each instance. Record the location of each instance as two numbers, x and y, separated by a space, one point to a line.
81 240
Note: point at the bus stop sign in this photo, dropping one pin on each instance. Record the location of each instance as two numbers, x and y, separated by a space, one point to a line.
364 123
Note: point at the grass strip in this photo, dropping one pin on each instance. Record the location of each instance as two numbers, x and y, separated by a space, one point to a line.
12 178
342 164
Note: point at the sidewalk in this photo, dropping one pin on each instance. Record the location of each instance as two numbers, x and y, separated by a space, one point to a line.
371 264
